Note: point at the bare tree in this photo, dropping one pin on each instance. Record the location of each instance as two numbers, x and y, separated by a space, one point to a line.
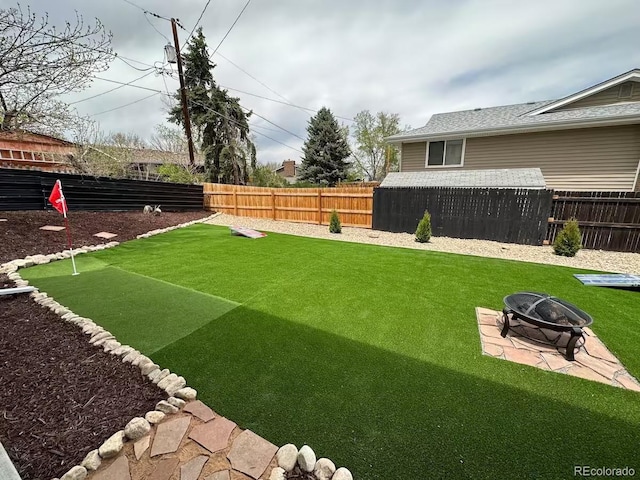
39 63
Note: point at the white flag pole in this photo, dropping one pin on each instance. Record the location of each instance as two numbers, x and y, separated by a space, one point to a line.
66 224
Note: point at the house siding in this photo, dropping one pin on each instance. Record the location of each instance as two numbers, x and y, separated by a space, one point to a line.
604 158
606 97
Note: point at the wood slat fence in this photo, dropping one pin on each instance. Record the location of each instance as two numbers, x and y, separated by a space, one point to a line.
500 214
607 220
307 205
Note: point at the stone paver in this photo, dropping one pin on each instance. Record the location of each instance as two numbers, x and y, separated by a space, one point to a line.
199 410
221 475
213 435
52 228
593 360
169 435
118 470
105 235
251 454
191 470
141 446
164 469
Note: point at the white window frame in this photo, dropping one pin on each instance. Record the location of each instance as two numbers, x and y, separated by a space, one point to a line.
444 153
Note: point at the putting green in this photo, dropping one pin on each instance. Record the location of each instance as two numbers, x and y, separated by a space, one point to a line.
130 303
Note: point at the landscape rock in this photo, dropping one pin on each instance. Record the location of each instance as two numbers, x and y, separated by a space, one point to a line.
76 473
165 407
278 473
166 381
112 446
306 458
110 345
104 340
176 402
154 417
176 385
186 393
153 374
131 356
287 456
137 428
139 360
324 469
92 460
162 375
147 368
123 350
342 474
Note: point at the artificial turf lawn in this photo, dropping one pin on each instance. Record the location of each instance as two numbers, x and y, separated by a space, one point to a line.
369 354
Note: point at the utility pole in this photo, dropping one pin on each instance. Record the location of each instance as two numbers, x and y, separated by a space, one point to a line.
183 93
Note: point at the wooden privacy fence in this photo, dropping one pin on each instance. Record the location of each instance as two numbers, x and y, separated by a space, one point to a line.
500 214
607 220
308 205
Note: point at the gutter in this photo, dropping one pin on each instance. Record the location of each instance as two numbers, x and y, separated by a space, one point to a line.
559 125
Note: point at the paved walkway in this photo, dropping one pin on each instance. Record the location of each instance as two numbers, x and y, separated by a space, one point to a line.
193 444
530 345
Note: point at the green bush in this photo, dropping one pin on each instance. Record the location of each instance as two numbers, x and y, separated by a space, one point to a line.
334 223
568 241
423 232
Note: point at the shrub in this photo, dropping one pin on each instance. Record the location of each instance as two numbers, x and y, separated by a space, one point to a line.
423 232
334 223
568 242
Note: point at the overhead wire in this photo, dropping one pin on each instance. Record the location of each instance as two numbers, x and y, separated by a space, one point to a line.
155 28
126 104
196 24
230 28
112 90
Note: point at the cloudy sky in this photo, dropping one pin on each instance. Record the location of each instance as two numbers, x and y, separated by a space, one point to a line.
414 58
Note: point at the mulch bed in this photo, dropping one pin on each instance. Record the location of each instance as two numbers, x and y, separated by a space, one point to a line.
20 235
60 396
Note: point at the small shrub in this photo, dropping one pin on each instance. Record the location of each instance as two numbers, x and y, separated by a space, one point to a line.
568 241
334 223
423 232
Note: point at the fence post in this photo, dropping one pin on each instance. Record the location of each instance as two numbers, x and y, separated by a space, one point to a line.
273 204
235 200
319 206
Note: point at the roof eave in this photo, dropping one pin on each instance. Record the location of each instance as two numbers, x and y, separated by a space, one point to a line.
563 125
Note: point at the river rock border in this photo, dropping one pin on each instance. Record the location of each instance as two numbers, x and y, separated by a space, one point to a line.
289 458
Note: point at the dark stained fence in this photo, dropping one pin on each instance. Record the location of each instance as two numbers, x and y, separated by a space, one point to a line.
607 220
504 215
29 190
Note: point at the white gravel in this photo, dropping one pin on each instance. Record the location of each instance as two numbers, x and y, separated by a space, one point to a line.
600 260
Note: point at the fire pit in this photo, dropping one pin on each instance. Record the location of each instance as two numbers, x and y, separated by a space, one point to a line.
549 312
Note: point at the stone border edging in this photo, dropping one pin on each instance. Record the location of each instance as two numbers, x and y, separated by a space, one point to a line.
175 386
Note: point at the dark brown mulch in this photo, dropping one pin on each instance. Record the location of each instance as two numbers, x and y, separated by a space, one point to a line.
60 396
20 235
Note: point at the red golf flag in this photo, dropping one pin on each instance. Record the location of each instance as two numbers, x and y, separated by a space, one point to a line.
56 199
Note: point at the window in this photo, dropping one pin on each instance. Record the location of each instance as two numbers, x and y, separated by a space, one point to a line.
447 153
626 90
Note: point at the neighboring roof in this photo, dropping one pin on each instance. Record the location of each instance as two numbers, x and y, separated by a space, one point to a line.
526 117
25 135
149 155
500 178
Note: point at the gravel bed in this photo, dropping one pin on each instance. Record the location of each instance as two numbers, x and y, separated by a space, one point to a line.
600 260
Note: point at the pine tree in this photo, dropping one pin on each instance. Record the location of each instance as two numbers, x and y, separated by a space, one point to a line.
334 223
568 241
325 150
423 232
220 123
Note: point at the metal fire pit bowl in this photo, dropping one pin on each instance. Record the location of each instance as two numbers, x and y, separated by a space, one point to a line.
546 311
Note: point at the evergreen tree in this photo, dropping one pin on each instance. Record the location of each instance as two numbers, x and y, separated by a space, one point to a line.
325 150
219 122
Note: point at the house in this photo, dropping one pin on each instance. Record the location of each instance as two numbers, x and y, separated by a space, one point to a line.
29 150
288 171
588 140
145 162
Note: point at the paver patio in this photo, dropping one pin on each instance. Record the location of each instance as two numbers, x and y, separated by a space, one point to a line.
531 345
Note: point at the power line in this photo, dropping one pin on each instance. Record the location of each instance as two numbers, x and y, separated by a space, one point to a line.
126 84
154 27
125 105
231 28
146 11
274 124
196 24
112 90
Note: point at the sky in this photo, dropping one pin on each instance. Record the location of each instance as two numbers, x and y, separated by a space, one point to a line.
414 58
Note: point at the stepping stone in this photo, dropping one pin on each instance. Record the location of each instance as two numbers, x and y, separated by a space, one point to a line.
221 475
628 382
588 374
141 446
3 219
492 350
251 454
164 469
169 435
200 410
601 367
117 470
105 235
51 228
490 330
214 435
555 361
191 470
525 357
